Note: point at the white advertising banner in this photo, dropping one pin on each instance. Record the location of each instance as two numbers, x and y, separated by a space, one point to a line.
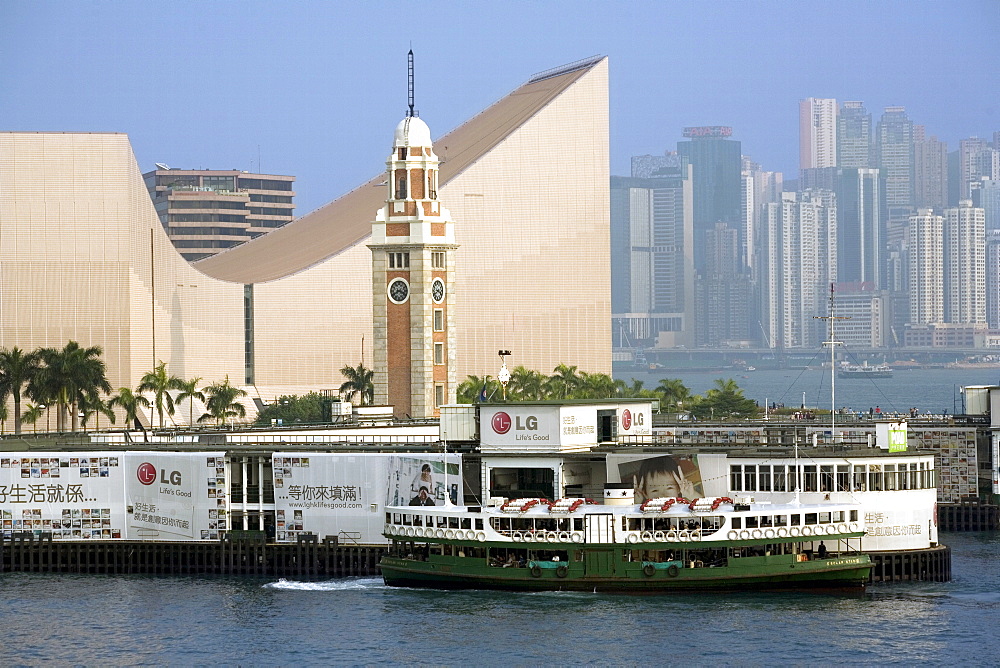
176 496
73 496
635 420
345 495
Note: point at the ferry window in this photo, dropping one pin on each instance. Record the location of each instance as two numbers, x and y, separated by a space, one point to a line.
843 478
796 520
913 476
780 520
764 478
752 523
737 522
824 518
854 516
876 479
859 478
838 516
793 478
577 524
779 479
810 518
466 523
766 521
429 521
388 518
826 478
809 478
406 520
397 518
452 522
418 521
442 522
479 524
750 478
736 478
890 477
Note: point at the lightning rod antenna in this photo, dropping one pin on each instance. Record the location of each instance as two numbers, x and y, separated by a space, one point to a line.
409 78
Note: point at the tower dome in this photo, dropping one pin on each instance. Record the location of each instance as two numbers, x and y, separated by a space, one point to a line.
412 131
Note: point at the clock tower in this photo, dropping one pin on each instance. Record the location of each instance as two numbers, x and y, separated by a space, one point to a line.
413 298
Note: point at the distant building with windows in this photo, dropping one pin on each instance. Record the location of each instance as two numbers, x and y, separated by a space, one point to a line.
205 211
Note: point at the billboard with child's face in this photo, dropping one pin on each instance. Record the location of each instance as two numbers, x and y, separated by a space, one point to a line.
72 496
658 476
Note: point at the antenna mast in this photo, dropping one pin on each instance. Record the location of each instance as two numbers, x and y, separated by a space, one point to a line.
833 343
409 79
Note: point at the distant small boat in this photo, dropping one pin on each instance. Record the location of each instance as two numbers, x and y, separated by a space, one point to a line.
864 370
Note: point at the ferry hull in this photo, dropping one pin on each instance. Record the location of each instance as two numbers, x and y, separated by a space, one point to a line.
834 574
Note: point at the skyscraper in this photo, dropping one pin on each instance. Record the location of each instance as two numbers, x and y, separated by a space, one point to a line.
861 232
926 267
652 260
854 136
817 133
206 211
799 242
716 181
930 171
965 264
894 156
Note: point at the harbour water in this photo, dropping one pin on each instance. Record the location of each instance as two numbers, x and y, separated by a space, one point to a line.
169 621
928 390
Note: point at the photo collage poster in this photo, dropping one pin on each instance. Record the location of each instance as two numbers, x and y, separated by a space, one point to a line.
659 476
176 496
72 496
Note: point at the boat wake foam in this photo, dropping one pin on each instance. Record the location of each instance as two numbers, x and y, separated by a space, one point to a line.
346 584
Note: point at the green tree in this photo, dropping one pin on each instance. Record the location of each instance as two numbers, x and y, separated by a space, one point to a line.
725 400
673 393
563 383
68 377
160 383
96 406
293 409
526 385
189 391
359 383
4 416
129 402
468 390
222 402
597 386
17 368
31 415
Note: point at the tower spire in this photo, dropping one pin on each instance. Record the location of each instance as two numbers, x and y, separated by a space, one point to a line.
409 81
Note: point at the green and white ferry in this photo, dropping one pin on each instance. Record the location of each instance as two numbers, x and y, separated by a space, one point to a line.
660 545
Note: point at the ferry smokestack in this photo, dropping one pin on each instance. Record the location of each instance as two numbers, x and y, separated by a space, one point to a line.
619 494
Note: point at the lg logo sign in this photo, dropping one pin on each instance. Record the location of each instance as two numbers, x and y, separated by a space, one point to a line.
628 419
146 473
502 423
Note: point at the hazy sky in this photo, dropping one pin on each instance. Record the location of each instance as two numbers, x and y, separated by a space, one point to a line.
315 88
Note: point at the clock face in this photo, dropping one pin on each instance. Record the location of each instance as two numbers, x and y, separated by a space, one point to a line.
437 290
399 290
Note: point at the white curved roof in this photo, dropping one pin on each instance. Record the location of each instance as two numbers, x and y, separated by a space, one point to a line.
412 131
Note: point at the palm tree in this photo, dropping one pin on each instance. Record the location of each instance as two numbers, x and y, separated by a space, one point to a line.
160 383
96 406
16 369
129 402
4 415
190 391
31 416
674 392
526 384
563 382
69 377
598 386
222 402
359 382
